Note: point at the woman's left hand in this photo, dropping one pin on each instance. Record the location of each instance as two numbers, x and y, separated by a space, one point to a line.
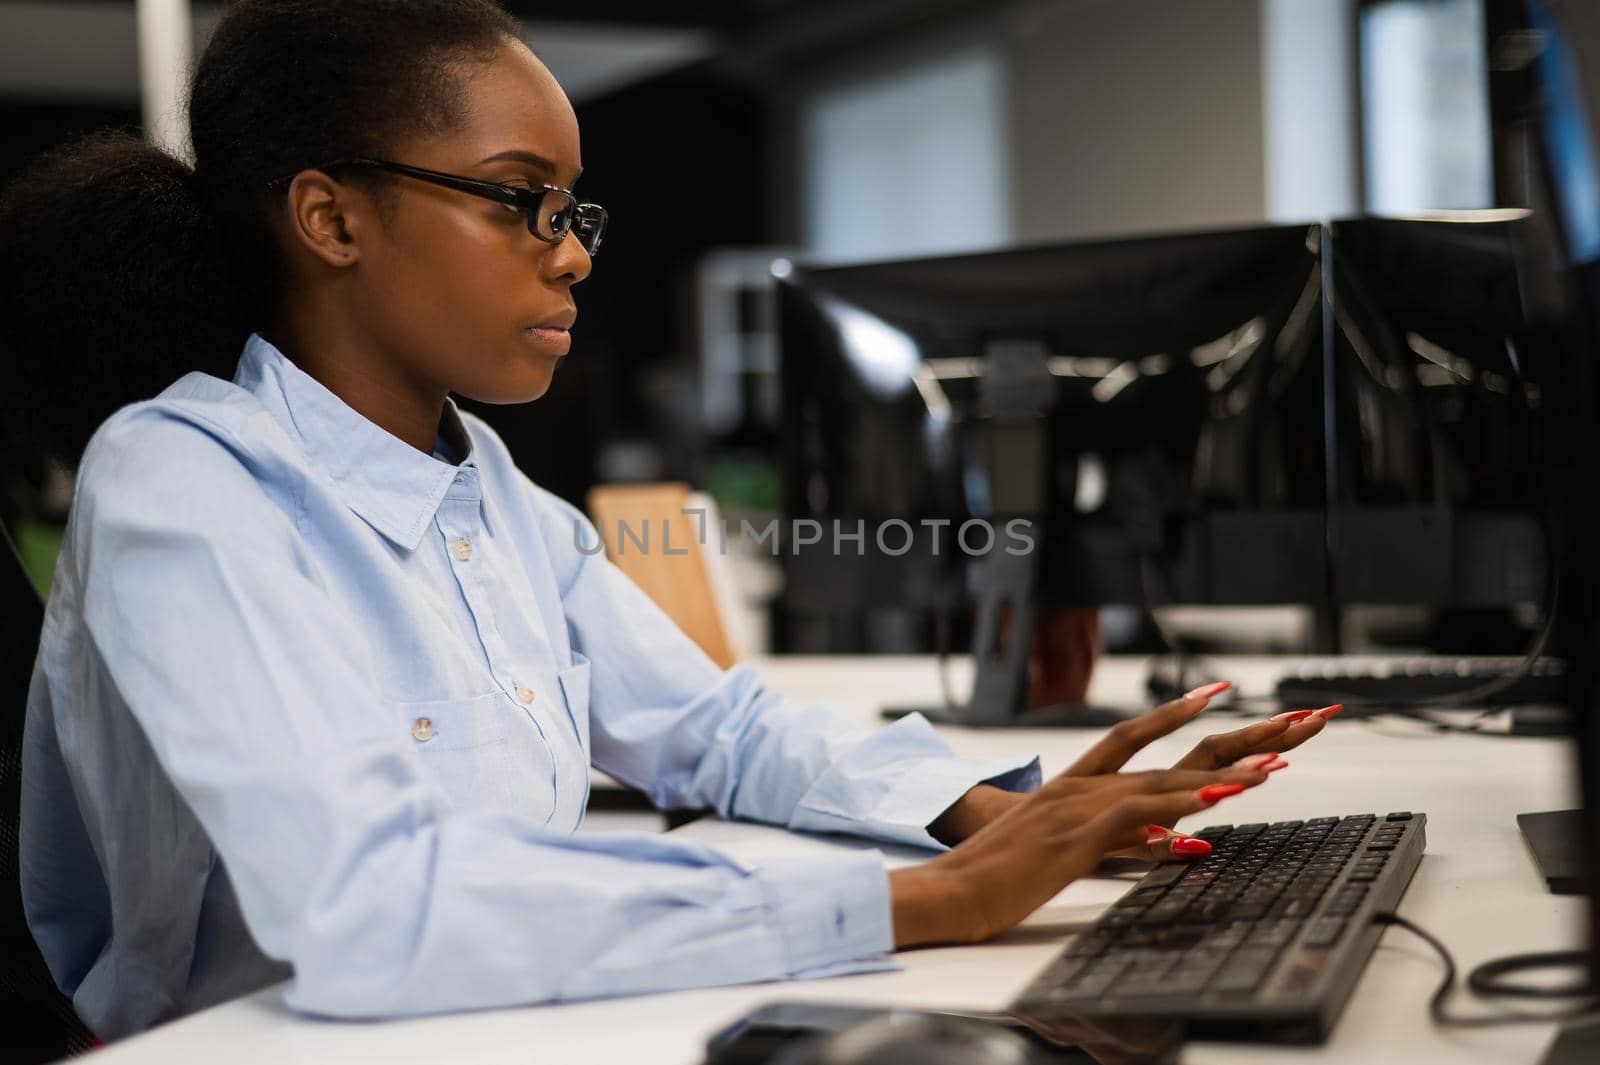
1122 741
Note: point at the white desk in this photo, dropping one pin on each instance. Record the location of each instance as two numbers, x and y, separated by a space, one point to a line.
1476 890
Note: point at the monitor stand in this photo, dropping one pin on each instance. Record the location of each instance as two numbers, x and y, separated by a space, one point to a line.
1555 841
1003 649
1016 394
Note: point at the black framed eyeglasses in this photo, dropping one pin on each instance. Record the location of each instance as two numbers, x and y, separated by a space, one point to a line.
552 211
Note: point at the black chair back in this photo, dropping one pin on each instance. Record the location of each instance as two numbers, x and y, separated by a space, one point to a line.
37 1023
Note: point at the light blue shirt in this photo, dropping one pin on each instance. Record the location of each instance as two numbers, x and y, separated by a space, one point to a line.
312 703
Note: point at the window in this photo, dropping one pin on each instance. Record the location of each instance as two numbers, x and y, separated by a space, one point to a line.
907 162
1425 106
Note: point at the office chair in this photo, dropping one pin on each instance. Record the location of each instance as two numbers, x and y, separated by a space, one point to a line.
37 1022
668 560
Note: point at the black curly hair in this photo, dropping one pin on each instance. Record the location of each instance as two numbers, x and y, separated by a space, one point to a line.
122 268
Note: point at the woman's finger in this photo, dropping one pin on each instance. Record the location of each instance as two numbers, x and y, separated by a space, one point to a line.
1127 738
1264 764
1282 733
1304 724
1162 844
1225 748
1136 812
1248 772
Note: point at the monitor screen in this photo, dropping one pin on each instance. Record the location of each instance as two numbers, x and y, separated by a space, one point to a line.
1568 69
1175 386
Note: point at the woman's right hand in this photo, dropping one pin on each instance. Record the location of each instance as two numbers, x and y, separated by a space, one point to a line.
1019 861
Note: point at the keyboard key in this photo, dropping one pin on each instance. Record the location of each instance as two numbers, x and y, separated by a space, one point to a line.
1245 969
1191 975
1403 815
1183 937
1376 846
1062 971
1093 981
1274 933
1343 907
1163 913
1228 936
1169 873
1293 907
1325 931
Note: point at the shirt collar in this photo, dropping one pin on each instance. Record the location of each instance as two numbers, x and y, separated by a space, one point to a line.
393 487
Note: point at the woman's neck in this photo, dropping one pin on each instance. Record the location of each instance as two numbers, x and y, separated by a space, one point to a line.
370 380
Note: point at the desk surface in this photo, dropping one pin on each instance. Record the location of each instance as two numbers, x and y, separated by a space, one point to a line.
1476 890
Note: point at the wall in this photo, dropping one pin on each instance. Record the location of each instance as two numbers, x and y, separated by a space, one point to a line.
1134 117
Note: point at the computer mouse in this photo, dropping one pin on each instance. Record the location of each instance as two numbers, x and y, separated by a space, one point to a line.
914 1039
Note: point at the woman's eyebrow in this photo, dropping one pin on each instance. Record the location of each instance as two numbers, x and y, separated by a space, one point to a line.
538 162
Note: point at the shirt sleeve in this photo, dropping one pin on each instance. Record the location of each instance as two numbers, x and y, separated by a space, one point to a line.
255 689
664 719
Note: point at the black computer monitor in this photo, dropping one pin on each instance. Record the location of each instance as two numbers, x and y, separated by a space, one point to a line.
1149 409
1153 391
1439 377
1552 106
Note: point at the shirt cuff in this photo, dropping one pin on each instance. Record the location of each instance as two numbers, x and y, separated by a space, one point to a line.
833 914
895 784
938 785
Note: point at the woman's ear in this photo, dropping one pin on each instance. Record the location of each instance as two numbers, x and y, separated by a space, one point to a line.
327 218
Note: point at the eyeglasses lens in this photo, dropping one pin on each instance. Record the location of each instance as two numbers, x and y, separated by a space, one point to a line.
553 217
590 226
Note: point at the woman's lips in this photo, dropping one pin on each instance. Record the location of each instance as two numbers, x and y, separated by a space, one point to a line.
551 339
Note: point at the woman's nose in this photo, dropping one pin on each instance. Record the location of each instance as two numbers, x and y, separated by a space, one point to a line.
569 261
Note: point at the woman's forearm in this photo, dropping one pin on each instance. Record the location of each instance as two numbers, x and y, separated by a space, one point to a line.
978 807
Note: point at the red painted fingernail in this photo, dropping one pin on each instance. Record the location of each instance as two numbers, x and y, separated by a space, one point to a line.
1154 833
1206 691
1331 711
1293 716
1212 793
1275 766
1255 761
1189 847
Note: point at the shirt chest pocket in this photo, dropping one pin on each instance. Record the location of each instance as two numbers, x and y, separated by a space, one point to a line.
463 746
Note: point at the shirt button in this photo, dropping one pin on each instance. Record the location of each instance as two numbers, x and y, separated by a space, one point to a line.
422 730
525 694
462 550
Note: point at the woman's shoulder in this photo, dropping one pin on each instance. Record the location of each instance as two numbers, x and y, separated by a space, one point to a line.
202 434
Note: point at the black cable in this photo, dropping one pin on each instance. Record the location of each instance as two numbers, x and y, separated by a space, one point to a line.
1486 978
1484 981
1489 689
1473 728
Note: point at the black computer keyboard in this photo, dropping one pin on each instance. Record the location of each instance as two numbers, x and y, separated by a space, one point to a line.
1262 939
1404 681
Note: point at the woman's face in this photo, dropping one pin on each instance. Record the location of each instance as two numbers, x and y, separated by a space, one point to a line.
454 288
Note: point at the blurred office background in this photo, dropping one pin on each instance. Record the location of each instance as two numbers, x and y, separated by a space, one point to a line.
729 136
